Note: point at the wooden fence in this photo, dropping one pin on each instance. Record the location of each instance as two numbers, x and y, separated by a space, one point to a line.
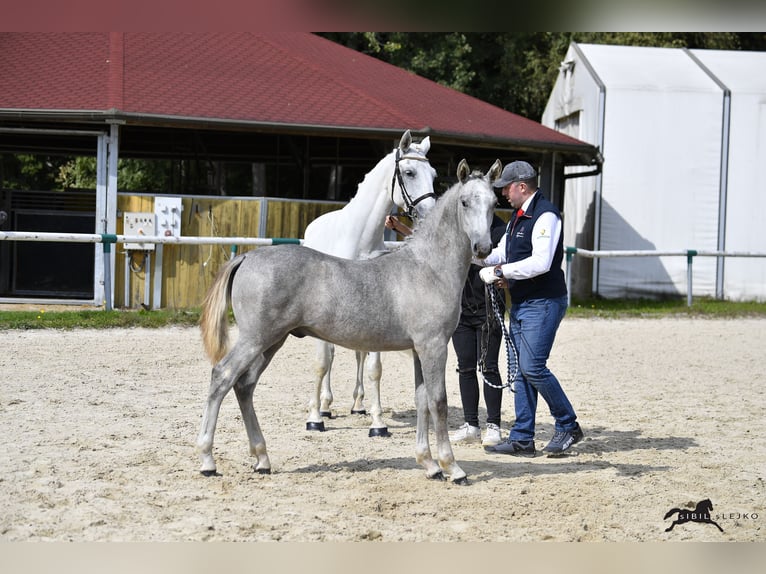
188 270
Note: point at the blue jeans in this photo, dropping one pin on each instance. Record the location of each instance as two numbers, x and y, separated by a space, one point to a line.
533 326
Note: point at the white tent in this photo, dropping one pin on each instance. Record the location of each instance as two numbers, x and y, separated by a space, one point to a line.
682 133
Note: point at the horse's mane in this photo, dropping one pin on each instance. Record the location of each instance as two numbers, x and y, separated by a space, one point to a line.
431 222
374 173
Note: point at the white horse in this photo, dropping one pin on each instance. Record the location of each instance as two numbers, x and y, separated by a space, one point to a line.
288 290
403 178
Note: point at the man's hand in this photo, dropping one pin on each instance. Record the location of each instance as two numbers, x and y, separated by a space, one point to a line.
487 275
493 276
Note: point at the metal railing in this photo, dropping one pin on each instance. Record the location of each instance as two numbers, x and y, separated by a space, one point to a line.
107 239
690 254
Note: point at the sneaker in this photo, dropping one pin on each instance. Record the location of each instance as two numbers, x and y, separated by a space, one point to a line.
562 440
466 434
492 435
514 448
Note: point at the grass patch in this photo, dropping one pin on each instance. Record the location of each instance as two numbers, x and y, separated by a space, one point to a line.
50 318
96 319
701 307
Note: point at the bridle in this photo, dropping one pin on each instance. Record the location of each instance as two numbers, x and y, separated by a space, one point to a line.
408 202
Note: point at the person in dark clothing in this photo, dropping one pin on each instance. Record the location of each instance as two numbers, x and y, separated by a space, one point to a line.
475 338
528 262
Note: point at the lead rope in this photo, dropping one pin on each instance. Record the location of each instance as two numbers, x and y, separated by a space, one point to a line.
510 348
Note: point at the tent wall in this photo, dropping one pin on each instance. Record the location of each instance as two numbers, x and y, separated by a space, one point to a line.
744 278
572 109
658 117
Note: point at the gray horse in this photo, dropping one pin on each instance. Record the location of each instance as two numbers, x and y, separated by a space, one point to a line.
293 290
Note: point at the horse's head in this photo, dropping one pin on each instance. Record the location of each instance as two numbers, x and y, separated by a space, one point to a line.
476 205
412 184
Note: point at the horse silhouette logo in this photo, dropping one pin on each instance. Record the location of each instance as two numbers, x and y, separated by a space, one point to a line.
700 514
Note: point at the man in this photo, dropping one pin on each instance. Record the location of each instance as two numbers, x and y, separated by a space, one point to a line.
528 262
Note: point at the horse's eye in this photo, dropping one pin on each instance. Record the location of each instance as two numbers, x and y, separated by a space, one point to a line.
464 202
409 173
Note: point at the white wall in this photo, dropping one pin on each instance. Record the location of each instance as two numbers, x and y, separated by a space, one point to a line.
661 184
744 73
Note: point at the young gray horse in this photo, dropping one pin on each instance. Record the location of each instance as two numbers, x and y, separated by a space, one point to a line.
293 290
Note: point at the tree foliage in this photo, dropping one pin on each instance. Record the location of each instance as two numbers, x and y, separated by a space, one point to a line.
58 173
514 71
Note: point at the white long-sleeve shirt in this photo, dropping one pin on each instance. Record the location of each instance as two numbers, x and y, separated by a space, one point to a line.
545 237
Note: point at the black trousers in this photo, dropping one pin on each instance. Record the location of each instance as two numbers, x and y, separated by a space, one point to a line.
467 344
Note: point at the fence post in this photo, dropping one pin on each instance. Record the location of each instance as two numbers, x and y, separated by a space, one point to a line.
107 239
690 253
570 253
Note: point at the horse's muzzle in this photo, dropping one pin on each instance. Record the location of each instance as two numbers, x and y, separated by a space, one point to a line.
481 249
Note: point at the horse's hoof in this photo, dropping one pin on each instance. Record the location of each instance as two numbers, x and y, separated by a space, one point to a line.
209 473
461 481
326 414
380 431
438 476
358 411
262 470
315 426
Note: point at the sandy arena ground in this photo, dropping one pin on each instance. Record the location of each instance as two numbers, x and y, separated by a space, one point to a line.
99 430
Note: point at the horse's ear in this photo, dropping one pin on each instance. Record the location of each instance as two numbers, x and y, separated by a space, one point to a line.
425 145
406 141
495 171
463 170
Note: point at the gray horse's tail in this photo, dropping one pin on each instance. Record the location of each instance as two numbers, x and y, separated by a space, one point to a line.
214 319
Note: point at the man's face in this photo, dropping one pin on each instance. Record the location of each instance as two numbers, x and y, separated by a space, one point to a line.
514 193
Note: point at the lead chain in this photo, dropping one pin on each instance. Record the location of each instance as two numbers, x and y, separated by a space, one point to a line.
510 348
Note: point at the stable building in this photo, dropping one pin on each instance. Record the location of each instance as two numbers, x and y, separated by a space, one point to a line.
260 133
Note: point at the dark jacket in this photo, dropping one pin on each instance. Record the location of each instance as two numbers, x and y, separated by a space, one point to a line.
518 246
473 302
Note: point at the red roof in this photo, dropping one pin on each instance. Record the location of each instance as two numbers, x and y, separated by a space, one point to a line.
284 78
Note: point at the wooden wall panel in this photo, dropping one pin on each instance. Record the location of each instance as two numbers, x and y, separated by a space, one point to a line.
189 270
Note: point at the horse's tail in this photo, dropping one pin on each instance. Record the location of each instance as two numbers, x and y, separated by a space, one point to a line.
671 512
214 319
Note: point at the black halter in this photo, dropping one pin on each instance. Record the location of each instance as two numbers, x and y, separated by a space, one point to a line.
411 213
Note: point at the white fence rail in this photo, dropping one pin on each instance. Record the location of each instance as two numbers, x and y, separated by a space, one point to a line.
108 238
690 254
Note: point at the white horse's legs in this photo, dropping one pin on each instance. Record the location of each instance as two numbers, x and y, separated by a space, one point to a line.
373 372
324 356
361 361
431 404
368 367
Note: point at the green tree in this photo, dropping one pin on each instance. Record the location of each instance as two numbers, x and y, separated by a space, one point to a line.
29 171
514 71
77 173
25 171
